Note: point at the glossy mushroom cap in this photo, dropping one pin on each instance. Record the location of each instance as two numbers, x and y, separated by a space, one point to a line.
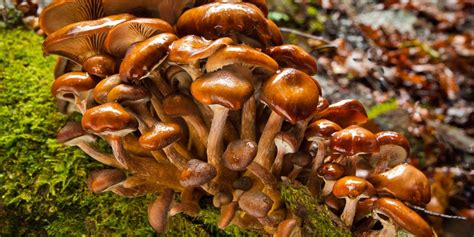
144 56
191 48
275 33
102 89
243 183
100 180
394 146
179 105
125 34
109 119
289 55
160 136
196 173
242 55
401 216
404 182
216 20
72 83
345 113
100 65
353 187
256 204
331 171
72 134
222 87
82 40
353 140
239 154
288 228
321 130
292 94
125 94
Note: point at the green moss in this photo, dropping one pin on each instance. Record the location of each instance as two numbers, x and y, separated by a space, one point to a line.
382 108
315 217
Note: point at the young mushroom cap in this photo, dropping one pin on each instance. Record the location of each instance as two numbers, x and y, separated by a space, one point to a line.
345 113
125 93
109 119
145 56
72 83
403 182
222 87
401 216
321 130
393 146
196 173
161 135
353 140
72 134
289 55
330 173
239 154
242 55
288 228
158 211
82 40
102 65
256 204
215 20
275 33
102 89
100 180
292 94
125 34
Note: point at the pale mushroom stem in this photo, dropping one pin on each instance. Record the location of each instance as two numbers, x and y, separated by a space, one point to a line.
198 124
348 214
248 125
381 165
99 156
215 141
266 146
328 187
193 70
388 229
118 150
175 158
158 211
313 183
278 163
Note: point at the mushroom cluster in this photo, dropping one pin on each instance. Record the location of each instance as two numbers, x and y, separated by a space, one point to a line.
200 98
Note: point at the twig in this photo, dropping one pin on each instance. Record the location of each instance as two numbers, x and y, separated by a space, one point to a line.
303 34
435 213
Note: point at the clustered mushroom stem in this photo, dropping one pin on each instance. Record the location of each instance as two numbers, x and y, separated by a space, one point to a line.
248 129
381 164
141 109
99 156
198 124
348 214
158 211
175 157
388 229
313 181
193 70
215 141
158 107
327 189
160 83
278 163
119 152
266 146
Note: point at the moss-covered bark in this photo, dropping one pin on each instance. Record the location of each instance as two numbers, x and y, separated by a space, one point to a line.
42 183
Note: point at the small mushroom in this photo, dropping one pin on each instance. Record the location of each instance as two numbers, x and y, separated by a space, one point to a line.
330 173
239 154
76 88
394 215
300 160
285 143
158 211
289 55
394 150
102 89
352 189
256 204
288 228
344 113
101 180
196 173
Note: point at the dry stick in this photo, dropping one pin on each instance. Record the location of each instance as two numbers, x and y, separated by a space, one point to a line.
435 213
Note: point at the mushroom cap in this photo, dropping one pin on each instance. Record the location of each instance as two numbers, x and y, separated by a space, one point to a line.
135 30
124 94
289 55
352 187
101 65
301 158
102 89
59 14
161 135
256 204
109 119
100 180
393 145
292 94
243 183
288 228
275 33
72 83
222 87
179 105
321 129
158 211
331 171
82 40
404 182
242 55
239 154
345 113
216 20
197 173
145 56
191 48
402 216
286 141
353 140
364 208
72 134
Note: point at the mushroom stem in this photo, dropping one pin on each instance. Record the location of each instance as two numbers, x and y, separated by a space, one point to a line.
381 165
215 144
99 156
278 163
266 146
160 83
388 229
118 150
348 214
158 211
193 70
313 178
248 125
198 124
227 213
158 107
295 172
327 189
